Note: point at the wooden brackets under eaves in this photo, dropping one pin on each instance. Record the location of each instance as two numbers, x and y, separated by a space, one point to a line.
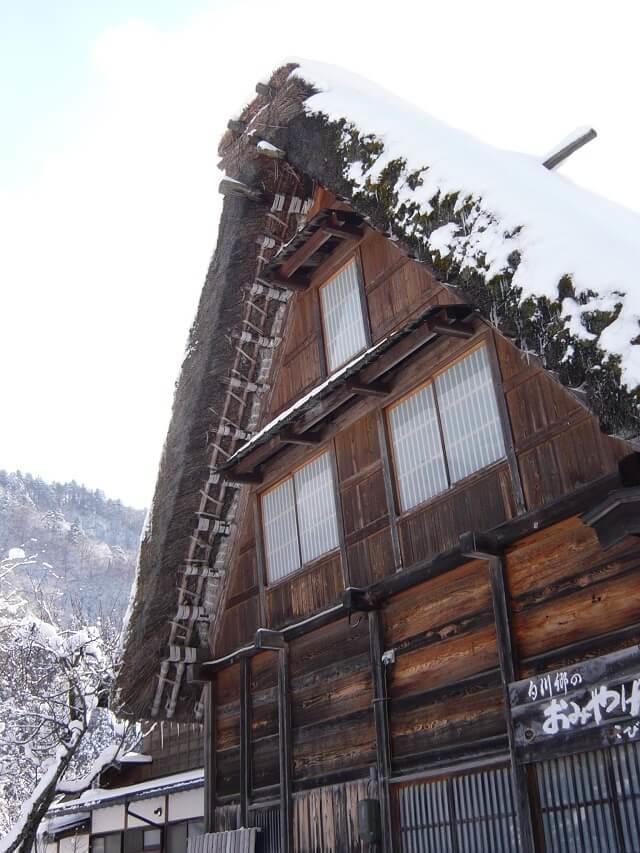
329 235
369 375
618 516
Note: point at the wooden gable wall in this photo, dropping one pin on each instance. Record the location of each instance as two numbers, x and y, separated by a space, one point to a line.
556 447
443 693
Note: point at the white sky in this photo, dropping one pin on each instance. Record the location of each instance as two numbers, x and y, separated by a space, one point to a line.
107 226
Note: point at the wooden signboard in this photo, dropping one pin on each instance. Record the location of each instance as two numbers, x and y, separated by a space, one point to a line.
592 704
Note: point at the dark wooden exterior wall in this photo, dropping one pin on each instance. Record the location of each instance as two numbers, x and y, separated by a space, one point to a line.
173 747
445 695
557 446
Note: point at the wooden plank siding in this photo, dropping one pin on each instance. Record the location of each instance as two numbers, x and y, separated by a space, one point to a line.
565 588
443 691
558 444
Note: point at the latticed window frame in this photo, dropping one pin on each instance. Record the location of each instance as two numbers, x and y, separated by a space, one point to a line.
361 306
450 480
302 564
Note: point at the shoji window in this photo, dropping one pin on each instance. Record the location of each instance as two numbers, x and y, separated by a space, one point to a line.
417 446
446 430
342 317
299 518
469 411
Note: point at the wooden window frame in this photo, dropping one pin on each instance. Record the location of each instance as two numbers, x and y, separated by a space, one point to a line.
504 459
290 475
94 835
364 308
159 829
186 821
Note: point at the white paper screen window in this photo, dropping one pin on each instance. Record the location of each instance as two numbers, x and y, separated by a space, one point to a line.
342 317
315 501
280 531
419 459
470 419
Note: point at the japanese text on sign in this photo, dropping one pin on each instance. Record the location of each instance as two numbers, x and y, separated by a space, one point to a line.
561 714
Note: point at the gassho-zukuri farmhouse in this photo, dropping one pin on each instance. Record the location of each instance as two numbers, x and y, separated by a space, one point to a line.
392 565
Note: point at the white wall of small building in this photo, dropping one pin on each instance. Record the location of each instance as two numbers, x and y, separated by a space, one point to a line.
109 819
153 809
186 804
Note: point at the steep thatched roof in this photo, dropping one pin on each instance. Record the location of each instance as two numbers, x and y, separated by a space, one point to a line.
445 198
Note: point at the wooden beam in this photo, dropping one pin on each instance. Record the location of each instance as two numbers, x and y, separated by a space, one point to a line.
243 477
245 732
381 720
286 753
343 232
356 599
372 389
478 546
287 436
561 155
303 253
582 647
291 282
207 670
453 330
209 760
342 252
268 639
508 672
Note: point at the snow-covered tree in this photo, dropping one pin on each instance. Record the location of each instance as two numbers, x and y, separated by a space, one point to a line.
56 734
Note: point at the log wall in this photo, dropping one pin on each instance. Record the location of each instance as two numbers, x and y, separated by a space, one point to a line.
443 692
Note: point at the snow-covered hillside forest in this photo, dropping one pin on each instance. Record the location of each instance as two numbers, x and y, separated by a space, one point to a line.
67 556
79 545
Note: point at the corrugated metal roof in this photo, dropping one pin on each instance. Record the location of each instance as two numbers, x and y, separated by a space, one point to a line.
97 798
233 841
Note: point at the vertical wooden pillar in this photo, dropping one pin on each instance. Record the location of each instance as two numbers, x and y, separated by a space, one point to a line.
381 720
508 671
383 442
245 739
284 731
210 758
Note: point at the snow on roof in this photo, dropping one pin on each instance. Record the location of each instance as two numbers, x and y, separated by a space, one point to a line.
303 401
65 821
100 797
135 758
558 228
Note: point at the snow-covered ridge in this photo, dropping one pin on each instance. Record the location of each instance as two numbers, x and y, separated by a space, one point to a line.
517 205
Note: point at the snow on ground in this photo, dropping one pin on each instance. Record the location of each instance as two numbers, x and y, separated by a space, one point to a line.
557 227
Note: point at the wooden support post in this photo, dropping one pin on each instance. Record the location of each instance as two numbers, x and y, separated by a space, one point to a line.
245 742
286 752
270 640
381 720
508 671
210 759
